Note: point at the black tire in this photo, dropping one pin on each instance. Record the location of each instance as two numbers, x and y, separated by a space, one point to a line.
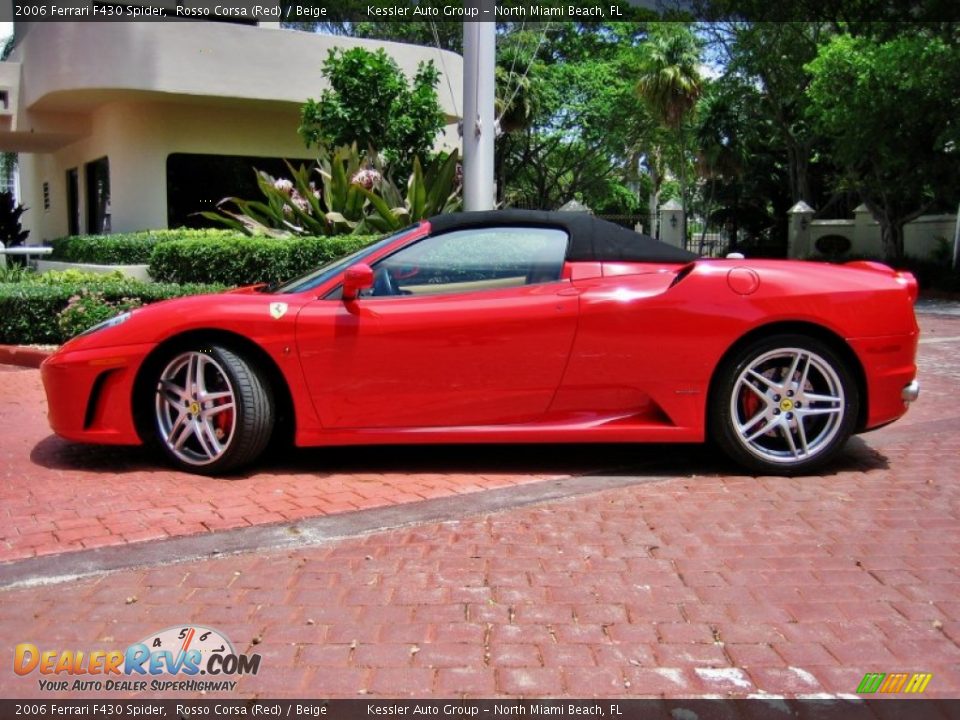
215 420
765 421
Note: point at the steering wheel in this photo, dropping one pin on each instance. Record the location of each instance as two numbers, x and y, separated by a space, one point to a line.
383 282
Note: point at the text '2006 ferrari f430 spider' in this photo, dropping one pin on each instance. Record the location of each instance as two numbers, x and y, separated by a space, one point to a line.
500 327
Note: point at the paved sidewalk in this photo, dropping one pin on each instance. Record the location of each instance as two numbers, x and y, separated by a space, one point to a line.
939 306
706 583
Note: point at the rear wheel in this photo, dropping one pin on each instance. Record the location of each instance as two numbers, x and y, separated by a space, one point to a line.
213 410
785 404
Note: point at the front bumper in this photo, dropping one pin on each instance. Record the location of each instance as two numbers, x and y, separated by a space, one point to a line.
89 393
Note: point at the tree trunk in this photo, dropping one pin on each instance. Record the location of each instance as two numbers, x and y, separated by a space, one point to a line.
798 162
654 201
891 238
735 223
706 214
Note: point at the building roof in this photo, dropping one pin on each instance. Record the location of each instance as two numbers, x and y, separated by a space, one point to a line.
60 73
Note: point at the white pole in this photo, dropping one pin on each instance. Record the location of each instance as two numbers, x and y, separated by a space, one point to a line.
479 131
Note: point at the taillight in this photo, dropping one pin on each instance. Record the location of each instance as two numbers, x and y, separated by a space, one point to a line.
913 289
902 276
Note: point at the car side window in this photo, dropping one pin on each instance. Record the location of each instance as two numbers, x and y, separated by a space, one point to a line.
472 260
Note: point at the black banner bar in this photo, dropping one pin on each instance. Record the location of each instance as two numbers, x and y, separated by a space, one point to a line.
584 11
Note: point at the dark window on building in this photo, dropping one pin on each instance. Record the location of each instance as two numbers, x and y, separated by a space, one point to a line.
73 202
199 182
46 196
98 196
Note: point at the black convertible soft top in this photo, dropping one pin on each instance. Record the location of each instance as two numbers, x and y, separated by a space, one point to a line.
590 238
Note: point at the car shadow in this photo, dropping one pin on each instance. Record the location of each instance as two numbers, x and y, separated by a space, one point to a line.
671 460
55 453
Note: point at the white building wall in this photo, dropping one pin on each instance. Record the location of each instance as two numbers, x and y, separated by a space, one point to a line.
137 92
137 138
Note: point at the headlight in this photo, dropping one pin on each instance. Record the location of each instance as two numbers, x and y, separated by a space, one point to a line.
112 322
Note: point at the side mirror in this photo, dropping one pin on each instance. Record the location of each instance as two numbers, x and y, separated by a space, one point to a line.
357 277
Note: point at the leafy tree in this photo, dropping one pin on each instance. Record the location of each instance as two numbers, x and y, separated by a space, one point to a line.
889 110
773 55
743 166
416 32
569 122
580 139
370 103
669 82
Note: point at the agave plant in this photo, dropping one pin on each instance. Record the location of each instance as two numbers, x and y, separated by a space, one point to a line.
431 192
298 206
354 196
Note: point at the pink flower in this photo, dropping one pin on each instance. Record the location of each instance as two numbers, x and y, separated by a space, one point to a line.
283 185
300 201
367 178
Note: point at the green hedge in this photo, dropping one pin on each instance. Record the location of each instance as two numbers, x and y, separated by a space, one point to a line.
125 248
208 256
242 260
29 310
183 262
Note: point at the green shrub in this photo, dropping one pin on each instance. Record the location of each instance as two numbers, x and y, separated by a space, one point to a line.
16 273
29 311
236 260
125 248
227 257
85 310
55 277
11 232
76 277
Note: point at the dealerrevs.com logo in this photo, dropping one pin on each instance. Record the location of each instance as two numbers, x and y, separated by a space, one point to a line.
170 660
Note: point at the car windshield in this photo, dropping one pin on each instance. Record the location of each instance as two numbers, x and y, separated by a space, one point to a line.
317 277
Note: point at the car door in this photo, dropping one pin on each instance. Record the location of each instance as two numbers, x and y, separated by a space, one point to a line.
470 327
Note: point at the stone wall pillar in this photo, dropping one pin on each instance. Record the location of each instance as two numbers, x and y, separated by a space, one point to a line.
671 223
866 233
798 231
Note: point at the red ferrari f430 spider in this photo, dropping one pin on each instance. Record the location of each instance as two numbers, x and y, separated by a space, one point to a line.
503 327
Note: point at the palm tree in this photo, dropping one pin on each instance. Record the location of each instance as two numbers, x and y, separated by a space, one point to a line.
670 84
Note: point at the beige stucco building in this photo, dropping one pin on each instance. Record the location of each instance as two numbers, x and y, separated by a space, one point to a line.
119 124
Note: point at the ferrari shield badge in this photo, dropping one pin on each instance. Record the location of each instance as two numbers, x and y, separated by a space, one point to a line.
278 310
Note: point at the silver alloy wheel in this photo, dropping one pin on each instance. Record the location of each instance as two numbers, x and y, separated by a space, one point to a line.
787 405
196 408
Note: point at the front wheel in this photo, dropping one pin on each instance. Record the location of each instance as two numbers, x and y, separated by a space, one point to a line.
213 410
784 405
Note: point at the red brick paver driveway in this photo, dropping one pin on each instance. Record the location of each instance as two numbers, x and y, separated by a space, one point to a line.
58 496
710 584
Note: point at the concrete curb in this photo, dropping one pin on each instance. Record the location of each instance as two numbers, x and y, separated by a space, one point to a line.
23 356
